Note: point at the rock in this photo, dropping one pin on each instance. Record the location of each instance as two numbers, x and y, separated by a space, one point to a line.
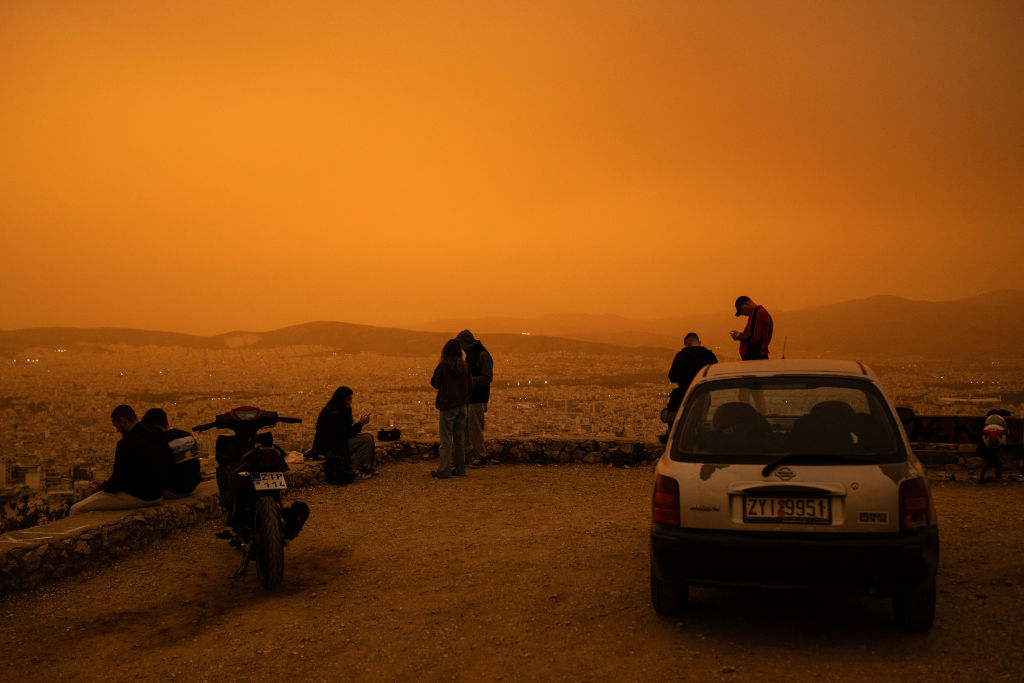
31 562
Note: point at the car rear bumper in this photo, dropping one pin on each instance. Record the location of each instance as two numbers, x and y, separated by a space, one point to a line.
885 562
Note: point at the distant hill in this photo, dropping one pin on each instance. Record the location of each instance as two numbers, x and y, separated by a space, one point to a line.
879 328
345 337
876 329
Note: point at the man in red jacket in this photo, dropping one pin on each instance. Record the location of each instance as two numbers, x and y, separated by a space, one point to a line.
756 336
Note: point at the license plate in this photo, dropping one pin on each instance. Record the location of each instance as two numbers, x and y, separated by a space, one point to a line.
264 481
787 510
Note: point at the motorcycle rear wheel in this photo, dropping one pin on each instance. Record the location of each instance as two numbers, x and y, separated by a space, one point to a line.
269 542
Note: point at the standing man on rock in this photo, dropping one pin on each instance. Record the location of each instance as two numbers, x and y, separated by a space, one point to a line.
481 368
756 336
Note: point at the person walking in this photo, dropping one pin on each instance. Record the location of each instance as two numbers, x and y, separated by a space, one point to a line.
757 334
454 384
481 366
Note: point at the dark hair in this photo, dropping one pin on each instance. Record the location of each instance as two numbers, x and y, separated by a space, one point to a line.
691 336
155 417
451 351
340 394
123 412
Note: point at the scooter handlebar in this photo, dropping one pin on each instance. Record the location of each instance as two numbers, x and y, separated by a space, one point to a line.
293 420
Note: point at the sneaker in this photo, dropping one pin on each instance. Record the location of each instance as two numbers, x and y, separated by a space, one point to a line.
435 475
458 474
477 464
363 475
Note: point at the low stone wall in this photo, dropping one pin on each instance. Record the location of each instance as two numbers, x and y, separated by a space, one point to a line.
31 556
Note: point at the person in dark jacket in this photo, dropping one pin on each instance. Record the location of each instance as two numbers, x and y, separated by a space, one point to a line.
182 451
454 384
339 441
140 468
481 366
757 335
685 366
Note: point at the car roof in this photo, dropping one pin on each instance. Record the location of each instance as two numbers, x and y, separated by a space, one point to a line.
788 367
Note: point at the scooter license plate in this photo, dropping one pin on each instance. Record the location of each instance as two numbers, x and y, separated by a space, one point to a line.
265 481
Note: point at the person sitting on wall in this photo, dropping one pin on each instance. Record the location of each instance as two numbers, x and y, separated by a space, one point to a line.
140 468
183 460
339 440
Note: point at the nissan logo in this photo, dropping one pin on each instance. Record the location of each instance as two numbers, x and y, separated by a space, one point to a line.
784 473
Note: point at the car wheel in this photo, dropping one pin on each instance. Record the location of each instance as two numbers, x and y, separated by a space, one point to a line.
914 609
669 599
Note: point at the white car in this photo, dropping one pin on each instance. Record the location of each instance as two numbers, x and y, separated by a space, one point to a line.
792 474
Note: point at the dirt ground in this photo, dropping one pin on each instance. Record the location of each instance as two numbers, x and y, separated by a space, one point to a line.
515 573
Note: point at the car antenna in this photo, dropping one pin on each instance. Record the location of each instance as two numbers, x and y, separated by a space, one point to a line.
784 339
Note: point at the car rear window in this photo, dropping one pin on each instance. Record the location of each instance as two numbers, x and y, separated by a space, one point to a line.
748 420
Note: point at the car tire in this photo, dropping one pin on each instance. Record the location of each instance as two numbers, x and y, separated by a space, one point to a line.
669 599
914 609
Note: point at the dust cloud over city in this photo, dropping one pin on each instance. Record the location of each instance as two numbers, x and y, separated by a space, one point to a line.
212 205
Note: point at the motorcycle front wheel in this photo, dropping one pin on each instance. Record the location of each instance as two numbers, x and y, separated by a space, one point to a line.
269 542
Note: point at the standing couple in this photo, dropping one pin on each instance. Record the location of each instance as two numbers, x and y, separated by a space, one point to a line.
463 389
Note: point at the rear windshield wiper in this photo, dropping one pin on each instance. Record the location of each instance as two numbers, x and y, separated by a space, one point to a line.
815 457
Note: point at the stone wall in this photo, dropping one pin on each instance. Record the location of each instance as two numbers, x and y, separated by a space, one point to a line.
29 557
70 545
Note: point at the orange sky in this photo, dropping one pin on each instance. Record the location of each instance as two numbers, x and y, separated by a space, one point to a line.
207 166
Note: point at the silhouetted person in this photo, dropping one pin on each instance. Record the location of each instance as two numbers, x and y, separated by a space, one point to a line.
757 334
481 367
685 366
349 453
140 468
183 450
454 385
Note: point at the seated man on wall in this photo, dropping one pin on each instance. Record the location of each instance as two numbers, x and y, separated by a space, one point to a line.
140 468
183 458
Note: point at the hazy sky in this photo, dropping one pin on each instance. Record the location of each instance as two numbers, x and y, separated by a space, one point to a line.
207 166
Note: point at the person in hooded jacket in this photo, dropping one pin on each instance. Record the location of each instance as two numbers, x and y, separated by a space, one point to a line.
338 439
454 385
481 366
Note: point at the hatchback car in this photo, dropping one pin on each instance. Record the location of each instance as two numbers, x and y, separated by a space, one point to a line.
792 474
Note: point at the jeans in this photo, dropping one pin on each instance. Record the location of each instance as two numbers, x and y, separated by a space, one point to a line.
475 431
453 439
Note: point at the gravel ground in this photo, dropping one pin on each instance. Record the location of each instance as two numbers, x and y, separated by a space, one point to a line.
514 573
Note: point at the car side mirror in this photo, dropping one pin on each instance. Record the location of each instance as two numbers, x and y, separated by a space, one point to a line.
906 415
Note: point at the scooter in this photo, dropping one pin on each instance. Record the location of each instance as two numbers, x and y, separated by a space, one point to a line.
250 478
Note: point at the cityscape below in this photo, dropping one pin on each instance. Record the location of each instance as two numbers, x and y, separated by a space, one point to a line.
60 442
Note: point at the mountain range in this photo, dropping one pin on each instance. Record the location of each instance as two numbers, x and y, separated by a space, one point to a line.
987 326
878 328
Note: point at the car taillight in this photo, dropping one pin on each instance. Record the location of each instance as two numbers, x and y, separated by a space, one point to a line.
666 500
915 505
